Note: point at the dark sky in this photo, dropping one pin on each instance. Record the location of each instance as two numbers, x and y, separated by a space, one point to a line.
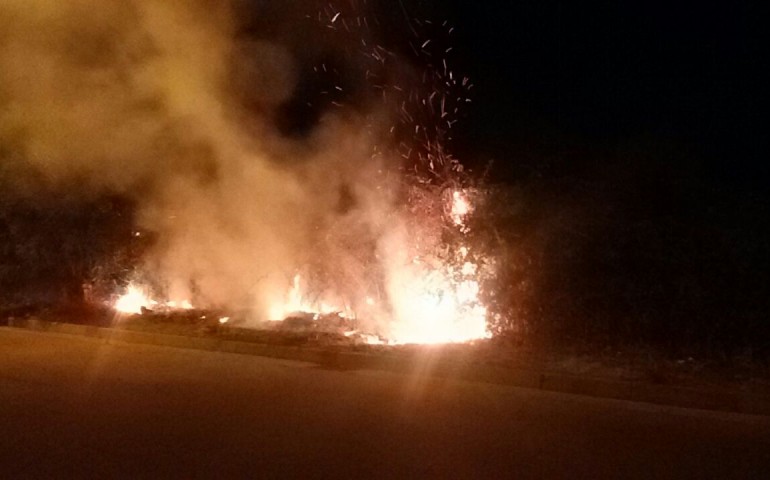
554 76
580 82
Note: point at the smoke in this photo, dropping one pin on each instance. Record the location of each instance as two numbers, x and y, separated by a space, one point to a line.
165 102
178 105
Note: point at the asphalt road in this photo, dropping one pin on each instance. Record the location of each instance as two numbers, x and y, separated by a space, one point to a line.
74 407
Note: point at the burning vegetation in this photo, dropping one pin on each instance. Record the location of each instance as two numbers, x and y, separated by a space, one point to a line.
290 177
429 288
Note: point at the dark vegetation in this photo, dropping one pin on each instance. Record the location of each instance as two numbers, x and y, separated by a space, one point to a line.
634 248
60 249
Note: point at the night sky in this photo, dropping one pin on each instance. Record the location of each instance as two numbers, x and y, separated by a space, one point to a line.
577 83
555 78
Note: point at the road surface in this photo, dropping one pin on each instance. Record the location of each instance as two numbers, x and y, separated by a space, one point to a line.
73 407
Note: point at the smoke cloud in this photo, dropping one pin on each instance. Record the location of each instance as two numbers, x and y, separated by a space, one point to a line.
165 102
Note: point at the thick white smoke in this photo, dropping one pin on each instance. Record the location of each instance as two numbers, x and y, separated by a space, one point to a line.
140 97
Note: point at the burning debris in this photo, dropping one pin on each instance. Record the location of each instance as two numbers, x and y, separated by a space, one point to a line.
137 300
430 292
432 289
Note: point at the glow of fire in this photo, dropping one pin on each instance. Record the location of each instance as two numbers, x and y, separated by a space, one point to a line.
137 298
438 306
297 302
461 208
429 304
133 300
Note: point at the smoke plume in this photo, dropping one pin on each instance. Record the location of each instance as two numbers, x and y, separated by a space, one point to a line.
165 102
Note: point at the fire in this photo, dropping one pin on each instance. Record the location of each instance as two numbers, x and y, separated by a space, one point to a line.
183 305
439 311
438 305
426 300
460 209
136 298
426 307
438 302
417 278
133 300
297 302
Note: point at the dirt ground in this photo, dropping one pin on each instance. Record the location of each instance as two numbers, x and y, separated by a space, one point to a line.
77 407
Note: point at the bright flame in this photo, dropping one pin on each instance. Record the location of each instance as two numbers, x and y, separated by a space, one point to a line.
137 298
440 304
429 299
133 300
437 306
461 208
183 305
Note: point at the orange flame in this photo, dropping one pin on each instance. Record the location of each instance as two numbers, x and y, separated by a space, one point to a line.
427 302
136 298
